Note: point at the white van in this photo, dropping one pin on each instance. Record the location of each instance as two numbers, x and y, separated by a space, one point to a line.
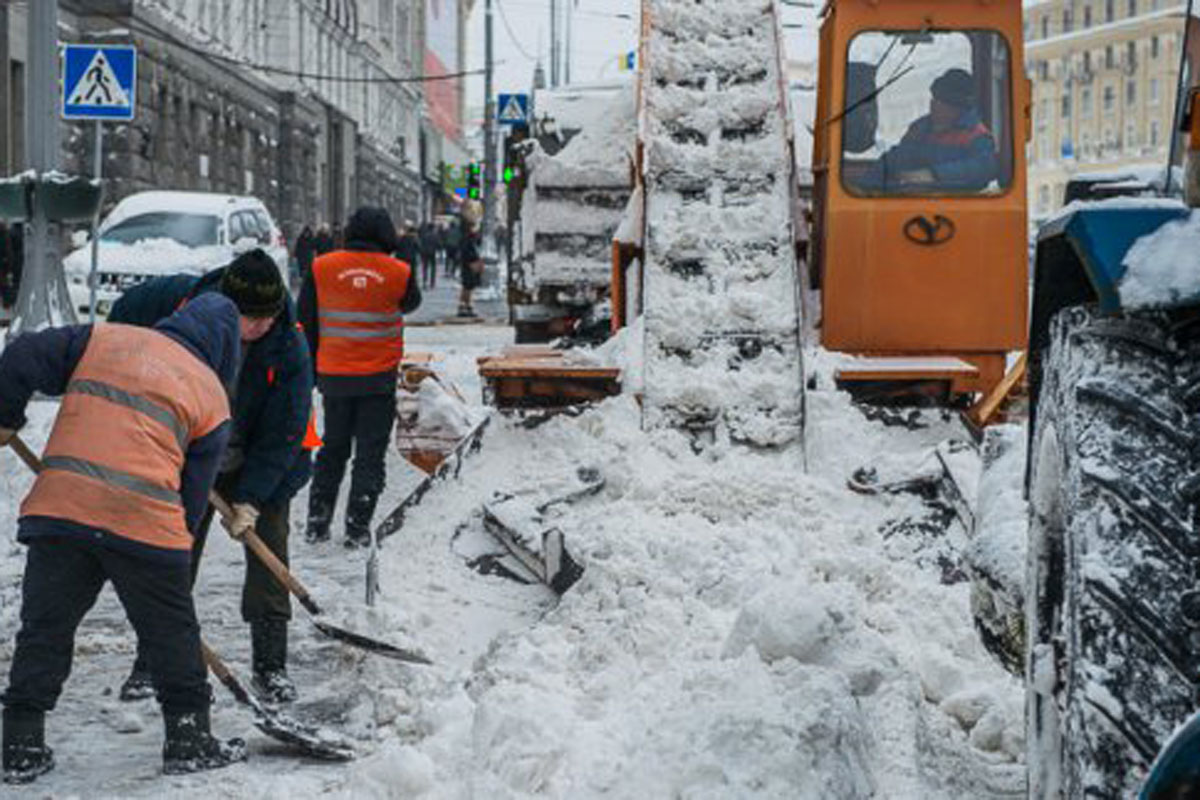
166 233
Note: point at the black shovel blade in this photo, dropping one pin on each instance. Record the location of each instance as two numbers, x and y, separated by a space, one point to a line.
307 739
373 645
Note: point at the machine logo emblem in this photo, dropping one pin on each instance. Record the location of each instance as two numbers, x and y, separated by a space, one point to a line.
929 234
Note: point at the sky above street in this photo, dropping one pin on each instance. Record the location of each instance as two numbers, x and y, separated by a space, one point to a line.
601 31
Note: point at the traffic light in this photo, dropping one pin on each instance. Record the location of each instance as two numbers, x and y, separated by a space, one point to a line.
474 181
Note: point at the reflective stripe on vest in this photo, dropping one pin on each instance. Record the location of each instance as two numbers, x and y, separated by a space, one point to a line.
358 308
136 401
141 404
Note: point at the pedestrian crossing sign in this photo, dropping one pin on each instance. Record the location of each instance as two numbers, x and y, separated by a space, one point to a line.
99 82
514 109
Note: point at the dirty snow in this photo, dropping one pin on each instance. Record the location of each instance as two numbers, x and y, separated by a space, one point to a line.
741 630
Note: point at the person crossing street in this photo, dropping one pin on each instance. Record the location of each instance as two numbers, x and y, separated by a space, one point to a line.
352 311
131 458
266 463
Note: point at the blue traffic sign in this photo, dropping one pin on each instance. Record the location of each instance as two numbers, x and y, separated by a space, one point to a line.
99 82
513 109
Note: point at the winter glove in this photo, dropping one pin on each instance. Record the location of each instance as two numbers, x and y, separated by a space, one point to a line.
6 435
245 517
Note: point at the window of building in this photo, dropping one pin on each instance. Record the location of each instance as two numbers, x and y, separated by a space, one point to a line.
1109 12
1109 59
1130 136
1132 8
1154 47
1044 70
1087 61
1154 134
1130 92
1085 101
1087 16
1046 27
1067 21
1154 90
1110 98
1066 106
1131 55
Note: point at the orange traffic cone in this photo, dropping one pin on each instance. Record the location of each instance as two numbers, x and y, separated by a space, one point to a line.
311 440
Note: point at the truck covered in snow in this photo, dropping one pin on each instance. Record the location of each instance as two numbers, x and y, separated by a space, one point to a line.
578 178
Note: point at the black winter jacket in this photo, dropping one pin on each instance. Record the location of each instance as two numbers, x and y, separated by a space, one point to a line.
273 398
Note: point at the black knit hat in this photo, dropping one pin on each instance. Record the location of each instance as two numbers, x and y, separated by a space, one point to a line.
955 87
253 283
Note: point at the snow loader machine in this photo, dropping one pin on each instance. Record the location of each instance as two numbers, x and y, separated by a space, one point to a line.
918 265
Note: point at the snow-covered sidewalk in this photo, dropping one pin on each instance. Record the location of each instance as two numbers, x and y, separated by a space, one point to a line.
742 630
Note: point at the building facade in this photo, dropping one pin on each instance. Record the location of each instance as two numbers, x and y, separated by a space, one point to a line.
314 106
1104 76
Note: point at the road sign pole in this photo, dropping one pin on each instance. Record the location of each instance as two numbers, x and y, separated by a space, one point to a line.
94 272
43 300
489 138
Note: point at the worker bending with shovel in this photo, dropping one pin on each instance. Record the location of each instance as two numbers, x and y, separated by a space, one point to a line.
133 453
266 462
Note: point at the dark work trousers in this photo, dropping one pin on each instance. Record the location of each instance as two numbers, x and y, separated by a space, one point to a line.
361 424
263 597
429 270
63 576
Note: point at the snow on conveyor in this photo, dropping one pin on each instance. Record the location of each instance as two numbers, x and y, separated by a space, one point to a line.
722 325
742 631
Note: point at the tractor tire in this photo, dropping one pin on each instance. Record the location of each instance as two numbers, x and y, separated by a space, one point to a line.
1110 667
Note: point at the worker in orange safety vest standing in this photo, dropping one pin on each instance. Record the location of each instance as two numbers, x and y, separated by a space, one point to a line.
352 310
134 451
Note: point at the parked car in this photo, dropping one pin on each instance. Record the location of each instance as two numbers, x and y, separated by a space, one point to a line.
164 233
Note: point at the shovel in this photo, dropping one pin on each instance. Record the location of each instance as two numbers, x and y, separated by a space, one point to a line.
308 739
286 578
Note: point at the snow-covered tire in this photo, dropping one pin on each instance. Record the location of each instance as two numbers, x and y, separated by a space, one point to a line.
1110 665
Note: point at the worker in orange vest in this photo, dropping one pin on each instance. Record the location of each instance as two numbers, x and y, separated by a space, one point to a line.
132 456
352 311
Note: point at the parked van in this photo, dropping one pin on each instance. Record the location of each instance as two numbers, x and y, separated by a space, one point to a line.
165 233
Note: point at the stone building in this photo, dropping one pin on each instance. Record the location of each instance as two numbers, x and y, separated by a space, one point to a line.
315 106
1104 84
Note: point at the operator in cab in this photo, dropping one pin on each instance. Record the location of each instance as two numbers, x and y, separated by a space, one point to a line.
949 149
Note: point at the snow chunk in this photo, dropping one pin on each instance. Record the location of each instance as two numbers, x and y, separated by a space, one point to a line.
1161 268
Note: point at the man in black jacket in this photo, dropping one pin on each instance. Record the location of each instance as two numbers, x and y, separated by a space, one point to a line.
351 309
265 464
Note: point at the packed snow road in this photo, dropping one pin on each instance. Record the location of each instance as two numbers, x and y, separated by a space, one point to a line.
742 630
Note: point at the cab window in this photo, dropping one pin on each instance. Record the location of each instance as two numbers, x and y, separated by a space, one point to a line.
927 114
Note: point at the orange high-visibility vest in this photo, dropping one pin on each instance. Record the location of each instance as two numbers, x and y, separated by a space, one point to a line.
361 328
136 401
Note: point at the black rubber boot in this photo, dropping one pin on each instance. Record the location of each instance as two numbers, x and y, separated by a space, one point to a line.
25 753
138 686
320 518
358 520
268 645
191 747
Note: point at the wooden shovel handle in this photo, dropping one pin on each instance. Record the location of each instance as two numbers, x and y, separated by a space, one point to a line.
269 559
25 454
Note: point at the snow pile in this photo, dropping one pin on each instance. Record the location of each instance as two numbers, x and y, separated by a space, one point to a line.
162 256
739 631
600 153
1163 268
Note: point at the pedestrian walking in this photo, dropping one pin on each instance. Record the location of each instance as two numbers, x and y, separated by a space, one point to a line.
470 274
266 462
305 251
408 248
429 254
322 241
352 312
131 458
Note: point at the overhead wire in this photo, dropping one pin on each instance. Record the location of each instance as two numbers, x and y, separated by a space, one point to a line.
511 35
